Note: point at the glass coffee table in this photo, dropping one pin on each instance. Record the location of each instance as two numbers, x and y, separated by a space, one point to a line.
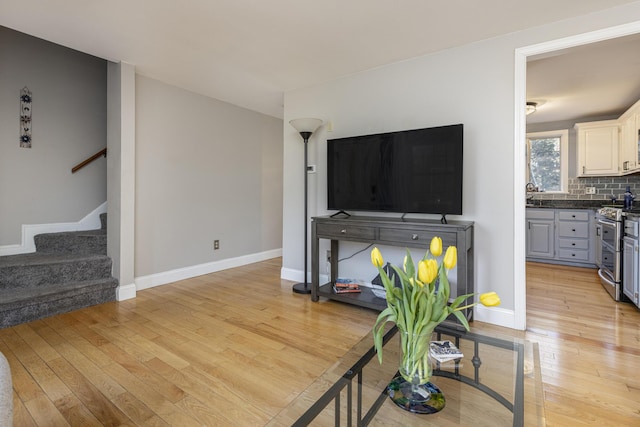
496 383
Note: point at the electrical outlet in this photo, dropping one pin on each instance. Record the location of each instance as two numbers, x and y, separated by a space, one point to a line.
216 244
590 190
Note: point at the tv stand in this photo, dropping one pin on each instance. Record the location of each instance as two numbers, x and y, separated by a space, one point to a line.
411 233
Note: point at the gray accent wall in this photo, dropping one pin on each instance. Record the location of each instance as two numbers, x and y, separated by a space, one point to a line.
205 170
69 125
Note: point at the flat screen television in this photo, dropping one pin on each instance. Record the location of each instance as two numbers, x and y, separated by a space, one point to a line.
412 171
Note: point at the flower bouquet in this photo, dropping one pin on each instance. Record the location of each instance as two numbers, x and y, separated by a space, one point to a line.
416 307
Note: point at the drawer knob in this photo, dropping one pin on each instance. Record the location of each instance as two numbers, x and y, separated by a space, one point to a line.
343 231
573 244
414 237
573 216
573 229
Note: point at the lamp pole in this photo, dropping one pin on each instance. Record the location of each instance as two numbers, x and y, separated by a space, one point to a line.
305 127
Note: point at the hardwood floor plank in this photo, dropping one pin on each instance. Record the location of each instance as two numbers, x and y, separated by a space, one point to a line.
21 416
44 412
99 405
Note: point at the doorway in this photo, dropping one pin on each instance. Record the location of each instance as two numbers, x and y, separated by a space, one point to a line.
521 57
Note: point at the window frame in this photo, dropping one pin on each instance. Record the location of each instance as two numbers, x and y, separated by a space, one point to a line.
563 134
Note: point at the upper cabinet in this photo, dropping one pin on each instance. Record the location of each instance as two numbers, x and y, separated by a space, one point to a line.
630 140
609 147
598 147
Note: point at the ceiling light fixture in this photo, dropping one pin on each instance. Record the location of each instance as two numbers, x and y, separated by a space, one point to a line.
531 107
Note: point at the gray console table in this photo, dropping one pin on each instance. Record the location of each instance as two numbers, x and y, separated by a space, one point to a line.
411 233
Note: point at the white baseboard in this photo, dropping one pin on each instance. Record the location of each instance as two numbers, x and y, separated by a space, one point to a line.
89 222
158 279
298 276
126 292
495 315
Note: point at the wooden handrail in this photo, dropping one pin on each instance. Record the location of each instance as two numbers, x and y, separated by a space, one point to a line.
84 163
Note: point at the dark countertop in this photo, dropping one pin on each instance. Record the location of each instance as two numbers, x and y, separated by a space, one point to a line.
568 204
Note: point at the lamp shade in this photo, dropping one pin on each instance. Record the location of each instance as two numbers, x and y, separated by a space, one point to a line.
306 124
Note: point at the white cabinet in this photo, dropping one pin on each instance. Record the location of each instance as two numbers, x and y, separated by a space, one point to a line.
630 140
598 148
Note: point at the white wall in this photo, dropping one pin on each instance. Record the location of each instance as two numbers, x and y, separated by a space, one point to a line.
205 170
69 125
474 85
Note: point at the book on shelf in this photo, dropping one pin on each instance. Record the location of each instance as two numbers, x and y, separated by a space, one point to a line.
342 290
443 351
342 283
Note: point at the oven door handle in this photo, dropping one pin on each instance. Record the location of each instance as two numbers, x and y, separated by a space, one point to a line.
609 222
605 277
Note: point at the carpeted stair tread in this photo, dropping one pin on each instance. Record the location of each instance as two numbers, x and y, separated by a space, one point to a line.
25 305
35 270
9 297
79 242
35 258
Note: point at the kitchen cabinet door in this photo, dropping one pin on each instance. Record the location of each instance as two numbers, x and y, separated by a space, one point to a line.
598 148
630 270
629 146
540 238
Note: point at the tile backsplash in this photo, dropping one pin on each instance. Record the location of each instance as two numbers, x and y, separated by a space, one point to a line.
606 188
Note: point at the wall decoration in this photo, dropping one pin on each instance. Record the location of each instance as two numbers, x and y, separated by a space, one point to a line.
25 117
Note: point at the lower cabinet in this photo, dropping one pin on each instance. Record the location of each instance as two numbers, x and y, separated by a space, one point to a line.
561 236
540 234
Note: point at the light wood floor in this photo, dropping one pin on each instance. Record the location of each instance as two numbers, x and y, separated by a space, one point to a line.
235 347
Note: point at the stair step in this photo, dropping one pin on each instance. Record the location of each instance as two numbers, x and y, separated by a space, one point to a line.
73 242
20 305
38 269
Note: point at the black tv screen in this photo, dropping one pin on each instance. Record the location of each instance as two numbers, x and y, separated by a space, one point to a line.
413 171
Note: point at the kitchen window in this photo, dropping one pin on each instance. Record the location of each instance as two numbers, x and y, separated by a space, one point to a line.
547 160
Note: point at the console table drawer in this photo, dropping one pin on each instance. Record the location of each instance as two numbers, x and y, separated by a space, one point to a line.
345 232
419 237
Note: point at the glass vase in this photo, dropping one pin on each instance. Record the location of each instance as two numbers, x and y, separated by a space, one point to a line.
412 389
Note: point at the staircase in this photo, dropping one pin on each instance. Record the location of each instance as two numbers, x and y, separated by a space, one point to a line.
68 271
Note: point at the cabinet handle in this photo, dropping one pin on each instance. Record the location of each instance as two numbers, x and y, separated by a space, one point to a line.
414 237
343 231
583 170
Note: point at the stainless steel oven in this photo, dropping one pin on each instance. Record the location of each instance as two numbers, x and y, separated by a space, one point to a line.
610 250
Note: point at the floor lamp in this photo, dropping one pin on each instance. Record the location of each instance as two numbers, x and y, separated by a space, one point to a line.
306 128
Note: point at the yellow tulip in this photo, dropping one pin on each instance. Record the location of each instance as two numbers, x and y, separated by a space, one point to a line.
436 246
427 270
376 257
450 257
490 299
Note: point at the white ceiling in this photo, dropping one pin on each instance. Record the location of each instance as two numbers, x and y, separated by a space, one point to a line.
249 52
586 82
